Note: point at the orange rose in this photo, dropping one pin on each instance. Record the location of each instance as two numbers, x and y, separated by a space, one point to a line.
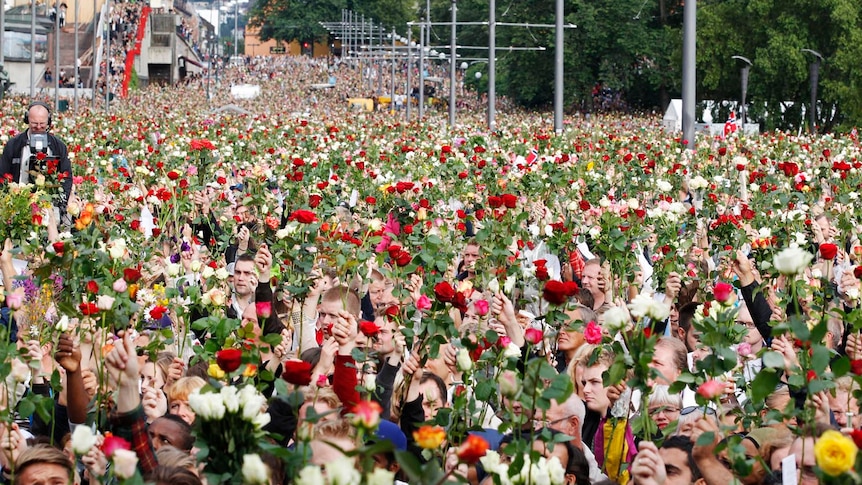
429 437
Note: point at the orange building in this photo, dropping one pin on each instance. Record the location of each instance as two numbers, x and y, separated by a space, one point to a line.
255 47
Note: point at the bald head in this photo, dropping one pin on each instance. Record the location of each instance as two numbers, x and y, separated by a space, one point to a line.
37 118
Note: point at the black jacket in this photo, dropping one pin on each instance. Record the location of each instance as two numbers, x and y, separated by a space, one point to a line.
10 161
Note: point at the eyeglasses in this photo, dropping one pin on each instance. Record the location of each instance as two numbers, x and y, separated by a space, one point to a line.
664 409
746 324
690 409
546 424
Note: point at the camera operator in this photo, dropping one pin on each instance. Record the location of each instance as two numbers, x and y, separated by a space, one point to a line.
36 152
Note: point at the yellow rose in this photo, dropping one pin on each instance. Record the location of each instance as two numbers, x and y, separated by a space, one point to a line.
215 371
429 437
835 453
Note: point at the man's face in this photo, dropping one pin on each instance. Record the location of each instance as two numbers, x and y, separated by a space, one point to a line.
385 343
752 335
595 394
38 117
805 469
470 256
676 466
183 410
244 214
692 339
243 278
568 339
663 363
165 432
327 313
380 293
44 474
558 420
591 279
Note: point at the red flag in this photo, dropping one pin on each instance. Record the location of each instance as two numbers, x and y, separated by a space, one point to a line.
730 125
533 155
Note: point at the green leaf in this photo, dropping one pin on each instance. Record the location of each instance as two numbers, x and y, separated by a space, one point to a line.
705 439
773 360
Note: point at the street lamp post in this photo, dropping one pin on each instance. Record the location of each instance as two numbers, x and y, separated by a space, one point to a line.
452 66
743 112
813 75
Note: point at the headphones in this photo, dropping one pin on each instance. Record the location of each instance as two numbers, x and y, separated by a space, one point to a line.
37 103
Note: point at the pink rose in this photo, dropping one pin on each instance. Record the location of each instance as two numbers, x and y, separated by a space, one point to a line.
743 349
711 389
481 307
15 299
722 291
504 341
593 333
263 309
423 303
533 335
120 286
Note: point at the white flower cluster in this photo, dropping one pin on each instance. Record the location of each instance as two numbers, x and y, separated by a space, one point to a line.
792 261
342 472
542 472
245 402
645 305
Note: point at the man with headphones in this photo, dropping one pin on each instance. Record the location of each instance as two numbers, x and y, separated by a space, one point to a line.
37 152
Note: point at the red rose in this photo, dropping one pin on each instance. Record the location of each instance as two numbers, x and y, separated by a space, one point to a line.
92 287
113 443
303 216
542 273
173 175
263 309
828 251
202 144
533 335
370 200
856 366
131 275
59 247
88 308
555 292
857 271
368 328
856 434
571 288
229 360
297 372
473 448
495 202
444 292
158 312
510 200
722 291
314 200
584 205
810 376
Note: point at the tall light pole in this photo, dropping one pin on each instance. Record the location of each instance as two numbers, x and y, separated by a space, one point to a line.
743 74
558 67
689 29
492 65
813 76
421 71
56 77
32 49
409 95
77 43
452 67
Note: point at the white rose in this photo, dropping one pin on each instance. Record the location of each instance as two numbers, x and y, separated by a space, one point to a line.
663 186
549 230
533 229
62 325
509 382
221 274
594 232
230 398
217 297
117 248
83 439
633 204
282 233
509 285
494 285
616 318
125 463
342 471
209 406
640 306
261 420
105 302
310 475
40 180
369 382
556 472
463 360
792 261
254 471
512 350
173 269
207 272
196 265
380 476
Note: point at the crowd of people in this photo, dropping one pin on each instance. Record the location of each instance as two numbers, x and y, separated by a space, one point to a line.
309 295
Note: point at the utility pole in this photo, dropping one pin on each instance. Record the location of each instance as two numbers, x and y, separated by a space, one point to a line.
492 66
689 30
452 68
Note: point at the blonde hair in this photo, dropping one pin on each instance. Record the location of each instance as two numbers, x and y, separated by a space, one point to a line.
180 390
172 457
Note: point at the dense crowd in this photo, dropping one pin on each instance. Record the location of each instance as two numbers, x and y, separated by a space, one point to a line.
300 293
